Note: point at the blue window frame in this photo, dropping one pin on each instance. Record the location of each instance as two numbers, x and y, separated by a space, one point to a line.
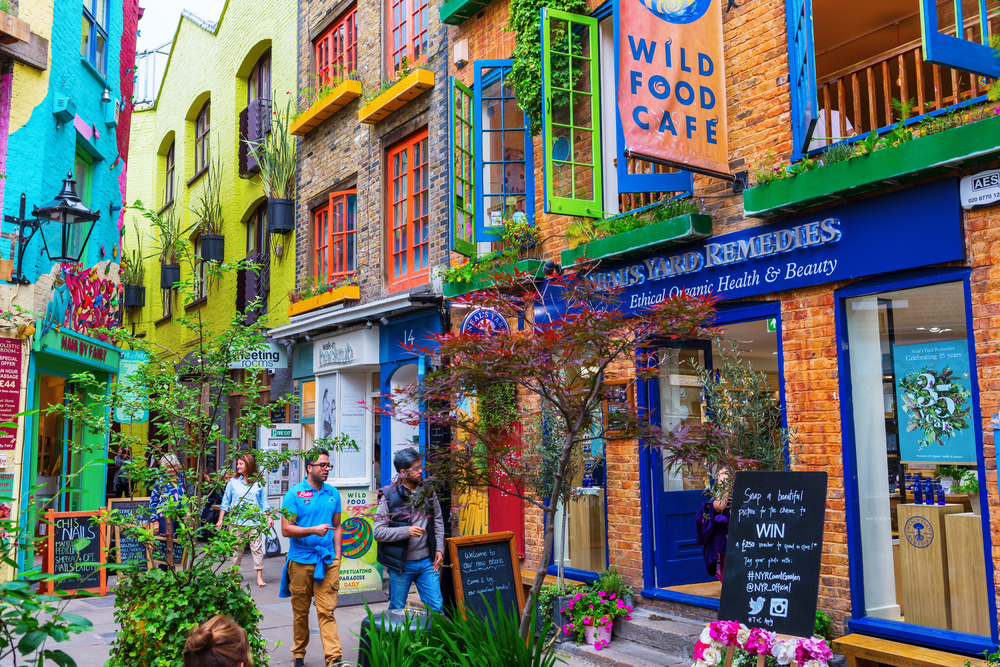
802 73
948 640
503 152
953 50
94 34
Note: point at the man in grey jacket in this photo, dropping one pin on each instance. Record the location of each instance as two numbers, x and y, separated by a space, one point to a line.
409 530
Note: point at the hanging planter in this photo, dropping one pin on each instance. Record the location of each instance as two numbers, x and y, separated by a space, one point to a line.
170 274
280 216
213 247
135 296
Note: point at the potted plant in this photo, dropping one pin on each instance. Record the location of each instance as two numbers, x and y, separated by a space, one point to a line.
592 614
970 484
133 272
208 212
949 475
275 156
169 231
611 581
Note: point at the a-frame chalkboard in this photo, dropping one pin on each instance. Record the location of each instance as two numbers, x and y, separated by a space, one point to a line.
482 566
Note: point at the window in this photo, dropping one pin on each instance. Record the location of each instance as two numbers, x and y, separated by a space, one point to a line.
201 126
337 50
335 228
257 238
339 399
94 34
259 81
168 178
408 177
321 227
83 173
199 268
167 296
407 32
463 169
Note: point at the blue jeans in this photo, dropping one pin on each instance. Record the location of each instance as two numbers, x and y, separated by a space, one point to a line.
427 580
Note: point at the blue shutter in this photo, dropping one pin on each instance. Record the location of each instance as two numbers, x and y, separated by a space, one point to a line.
954 50
802 68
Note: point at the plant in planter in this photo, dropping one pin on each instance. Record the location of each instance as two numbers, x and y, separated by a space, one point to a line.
591 614
168 233
612 582
970 484
133 273
208 211
314 288
276 158
586 230
949 476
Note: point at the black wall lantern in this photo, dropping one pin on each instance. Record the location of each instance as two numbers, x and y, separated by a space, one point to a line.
65 223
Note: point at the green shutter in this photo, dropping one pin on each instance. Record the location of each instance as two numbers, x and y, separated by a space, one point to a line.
571 107
463 169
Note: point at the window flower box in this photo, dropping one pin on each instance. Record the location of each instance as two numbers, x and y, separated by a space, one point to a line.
920 158
345 293
533 267
336 100
406 89
652 237
13 29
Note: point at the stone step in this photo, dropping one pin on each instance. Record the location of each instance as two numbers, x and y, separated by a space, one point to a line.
624 653
667 633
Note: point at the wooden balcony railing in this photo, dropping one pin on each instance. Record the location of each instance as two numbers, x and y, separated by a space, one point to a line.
859 99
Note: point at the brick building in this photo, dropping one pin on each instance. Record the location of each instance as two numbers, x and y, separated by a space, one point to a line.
845 283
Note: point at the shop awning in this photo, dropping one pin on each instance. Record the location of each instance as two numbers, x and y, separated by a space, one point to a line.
339 316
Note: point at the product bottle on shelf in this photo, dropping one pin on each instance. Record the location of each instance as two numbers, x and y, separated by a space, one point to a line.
918 493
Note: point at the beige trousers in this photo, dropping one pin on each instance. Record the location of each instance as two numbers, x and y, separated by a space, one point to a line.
256 548
305 590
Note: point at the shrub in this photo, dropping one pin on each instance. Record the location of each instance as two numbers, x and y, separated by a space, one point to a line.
837 153
824 626
765 170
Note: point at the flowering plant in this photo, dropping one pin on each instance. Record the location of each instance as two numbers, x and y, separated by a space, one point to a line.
315 288
593 607
720 635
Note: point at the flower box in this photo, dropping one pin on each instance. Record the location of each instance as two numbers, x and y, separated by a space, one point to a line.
532 267
347 292
406 89
336 100
652 237
13 29
920 158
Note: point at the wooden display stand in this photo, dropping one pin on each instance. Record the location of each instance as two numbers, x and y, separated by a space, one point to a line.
967 574
865 651
586 533
924 563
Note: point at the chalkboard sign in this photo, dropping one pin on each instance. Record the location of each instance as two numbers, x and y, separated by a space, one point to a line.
158 553
482 566
138 513
771 573
75 545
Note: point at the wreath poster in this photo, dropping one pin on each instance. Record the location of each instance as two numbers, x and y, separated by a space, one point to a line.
934 399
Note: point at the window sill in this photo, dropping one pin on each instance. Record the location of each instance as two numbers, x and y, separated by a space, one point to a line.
406 89
93 70
922 157
166 319
204 170
656 236
194 304
338 98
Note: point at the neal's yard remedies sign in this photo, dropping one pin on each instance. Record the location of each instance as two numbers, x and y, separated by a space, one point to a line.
771 574
672 83
934 402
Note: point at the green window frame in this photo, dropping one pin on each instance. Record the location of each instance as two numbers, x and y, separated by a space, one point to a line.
572 114
463 168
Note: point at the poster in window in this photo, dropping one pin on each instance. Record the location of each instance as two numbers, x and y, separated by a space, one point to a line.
934 395
326 405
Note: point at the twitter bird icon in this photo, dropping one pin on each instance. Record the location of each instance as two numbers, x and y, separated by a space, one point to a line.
756 605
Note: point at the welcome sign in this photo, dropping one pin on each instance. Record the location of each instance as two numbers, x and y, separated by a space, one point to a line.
672 83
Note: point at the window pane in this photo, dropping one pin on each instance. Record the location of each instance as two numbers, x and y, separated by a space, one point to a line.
85 38
100 12
914 428
99 48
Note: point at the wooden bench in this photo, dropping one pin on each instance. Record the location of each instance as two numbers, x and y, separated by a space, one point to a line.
865 651
528 579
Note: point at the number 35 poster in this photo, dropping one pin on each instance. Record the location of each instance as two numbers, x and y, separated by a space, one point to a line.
934 397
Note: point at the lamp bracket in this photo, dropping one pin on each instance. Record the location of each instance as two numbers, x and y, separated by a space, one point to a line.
22 240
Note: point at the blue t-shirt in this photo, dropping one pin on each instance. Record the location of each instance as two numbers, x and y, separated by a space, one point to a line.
310 508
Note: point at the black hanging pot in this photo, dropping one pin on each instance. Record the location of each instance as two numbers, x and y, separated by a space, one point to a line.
213 247
170 274
280 216
135 296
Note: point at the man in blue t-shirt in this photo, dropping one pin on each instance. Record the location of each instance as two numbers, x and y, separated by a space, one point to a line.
313 566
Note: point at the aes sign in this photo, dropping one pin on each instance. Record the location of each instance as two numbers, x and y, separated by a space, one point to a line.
982 189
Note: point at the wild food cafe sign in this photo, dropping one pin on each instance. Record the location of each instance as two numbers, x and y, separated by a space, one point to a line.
902 230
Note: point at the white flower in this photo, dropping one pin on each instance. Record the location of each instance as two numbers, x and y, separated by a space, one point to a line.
706 636
815 663
699 663
742 635
784 652
711 656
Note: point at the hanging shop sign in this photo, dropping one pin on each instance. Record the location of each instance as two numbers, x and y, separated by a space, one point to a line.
982 189
130 362
270 357
672 83
358 348
10 389
902 230
359 571
79 348
485 321
934 393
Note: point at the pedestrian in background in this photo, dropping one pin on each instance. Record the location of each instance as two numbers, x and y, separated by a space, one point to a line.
242 491
218 642
172 488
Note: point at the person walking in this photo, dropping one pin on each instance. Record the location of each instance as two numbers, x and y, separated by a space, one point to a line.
218 642
312 569
409 529
171 488
241 492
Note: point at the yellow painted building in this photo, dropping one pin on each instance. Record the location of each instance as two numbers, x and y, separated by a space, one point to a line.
217 88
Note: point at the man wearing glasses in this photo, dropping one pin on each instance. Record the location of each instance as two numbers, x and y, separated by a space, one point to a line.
312 570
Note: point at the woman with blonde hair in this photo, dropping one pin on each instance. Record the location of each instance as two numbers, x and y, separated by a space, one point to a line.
242 491
218 642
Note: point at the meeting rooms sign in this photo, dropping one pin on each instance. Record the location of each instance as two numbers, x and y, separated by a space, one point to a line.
901 230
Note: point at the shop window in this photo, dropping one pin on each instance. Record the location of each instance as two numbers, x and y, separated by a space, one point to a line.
409 221
307 401
168 177
340 400
914 423
94 34
407 33
571 126
201 129
337 51
581 534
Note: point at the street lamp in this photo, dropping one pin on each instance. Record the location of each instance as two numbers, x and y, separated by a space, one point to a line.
65 222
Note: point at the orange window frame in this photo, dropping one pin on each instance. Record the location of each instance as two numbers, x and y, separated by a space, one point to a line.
407 33
343 234
321 242
408 230
337 50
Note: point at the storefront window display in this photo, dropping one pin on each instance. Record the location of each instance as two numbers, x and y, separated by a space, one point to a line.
581 537
916 452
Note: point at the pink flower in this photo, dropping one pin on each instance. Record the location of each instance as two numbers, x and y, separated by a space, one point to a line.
814 648
759 642
587 620
602 594
563 610
699 650
629 617
603 620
